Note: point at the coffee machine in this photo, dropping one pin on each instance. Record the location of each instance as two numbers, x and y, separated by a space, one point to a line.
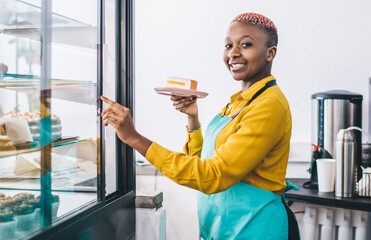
332 111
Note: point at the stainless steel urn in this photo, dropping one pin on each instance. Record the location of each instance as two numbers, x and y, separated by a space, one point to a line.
346 164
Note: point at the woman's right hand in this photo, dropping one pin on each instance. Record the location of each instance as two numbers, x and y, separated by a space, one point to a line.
187 105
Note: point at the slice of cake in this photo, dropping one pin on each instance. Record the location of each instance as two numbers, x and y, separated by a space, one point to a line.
183 83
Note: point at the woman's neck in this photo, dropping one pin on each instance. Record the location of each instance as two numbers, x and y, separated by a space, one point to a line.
248 83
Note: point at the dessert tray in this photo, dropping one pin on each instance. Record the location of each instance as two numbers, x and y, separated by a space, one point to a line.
180 92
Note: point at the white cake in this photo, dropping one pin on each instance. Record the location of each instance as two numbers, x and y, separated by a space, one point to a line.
183 83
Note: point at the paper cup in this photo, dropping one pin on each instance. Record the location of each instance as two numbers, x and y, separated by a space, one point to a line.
326 168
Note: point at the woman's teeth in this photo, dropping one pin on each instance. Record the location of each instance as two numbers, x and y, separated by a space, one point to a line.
236 67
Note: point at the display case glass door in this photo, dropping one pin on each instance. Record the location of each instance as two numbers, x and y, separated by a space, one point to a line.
50 133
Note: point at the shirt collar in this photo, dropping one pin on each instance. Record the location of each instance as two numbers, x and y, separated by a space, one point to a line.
248 93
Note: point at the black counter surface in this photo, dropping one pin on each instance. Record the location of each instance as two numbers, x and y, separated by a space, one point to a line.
311 196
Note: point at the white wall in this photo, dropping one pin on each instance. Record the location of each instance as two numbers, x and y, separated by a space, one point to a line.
323 45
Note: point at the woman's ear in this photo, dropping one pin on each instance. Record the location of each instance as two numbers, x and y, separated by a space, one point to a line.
271 53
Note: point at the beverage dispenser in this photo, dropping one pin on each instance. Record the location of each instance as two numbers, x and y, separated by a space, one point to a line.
332 111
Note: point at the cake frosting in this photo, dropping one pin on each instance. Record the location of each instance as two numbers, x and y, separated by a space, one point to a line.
23 209
23 196
182 83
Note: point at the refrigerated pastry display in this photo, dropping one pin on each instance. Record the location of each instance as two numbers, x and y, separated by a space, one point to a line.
31 86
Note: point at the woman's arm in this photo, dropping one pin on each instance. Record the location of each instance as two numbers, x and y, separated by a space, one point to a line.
188 105
259 130
120 118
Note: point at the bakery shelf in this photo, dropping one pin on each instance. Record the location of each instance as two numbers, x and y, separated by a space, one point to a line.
36 147
71 90
27 22
21 81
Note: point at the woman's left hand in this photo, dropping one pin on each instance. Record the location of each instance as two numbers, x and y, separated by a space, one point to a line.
120 118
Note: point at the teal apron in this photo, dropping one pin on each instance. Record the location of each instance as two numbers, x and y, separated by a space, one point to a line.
242 211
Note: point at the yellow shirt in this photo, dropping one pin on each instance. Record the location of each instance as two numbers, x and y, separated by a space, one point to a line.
252 148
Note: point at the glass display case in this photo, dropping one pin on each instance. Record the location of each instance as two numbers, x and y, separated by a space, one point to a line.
57 162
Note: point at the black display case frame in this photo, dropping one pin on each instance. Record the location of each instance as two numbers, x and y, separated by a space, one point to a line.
113 217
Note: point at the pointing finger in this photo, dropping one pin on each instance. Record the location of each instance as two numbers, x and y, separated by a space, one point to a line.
106 100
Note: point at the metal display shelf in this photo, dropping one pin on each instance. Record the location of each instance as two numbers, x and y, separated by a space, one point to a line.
27 23
71 90
35 146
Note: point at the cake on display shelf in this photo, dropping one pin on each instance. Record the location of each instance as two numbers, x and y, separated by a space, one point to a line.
22 130
33 120
22 212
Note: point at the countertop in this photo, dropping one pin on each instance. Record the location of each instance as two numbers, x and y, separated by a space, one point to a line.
304 195
312 196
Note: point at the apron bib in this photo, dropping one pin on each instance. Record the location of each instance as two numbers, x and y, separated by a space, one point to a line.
242 211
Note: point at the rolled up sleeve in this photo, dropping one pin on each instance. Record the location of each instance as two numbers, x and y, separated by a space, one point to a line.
193 145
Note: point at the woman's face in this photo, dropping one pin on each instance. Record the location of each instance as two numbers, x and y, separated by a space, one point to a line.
246 54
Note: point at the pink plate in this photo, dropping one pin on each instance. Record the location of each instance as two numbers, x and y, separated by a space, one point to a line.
180 92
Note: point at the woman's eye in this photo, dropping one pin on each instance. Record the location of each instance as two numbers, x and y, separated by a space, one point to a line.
228 46
246 45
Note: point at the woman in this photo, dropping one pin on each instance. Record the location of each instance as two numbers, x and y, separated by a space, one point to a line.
240 166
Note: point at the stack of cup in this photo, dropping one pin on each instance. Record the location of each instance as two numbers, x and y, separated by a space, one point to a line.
326 168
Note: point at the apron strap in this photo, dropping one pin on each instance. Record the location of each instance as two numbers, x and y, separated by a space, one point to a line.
267 85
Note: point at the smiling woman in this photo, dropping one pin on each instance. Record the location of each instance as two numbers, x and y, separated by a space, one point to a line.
239 166
250 47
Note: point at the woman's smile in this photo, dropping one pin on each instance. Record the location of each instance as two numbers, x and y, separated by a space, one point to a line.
236 67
